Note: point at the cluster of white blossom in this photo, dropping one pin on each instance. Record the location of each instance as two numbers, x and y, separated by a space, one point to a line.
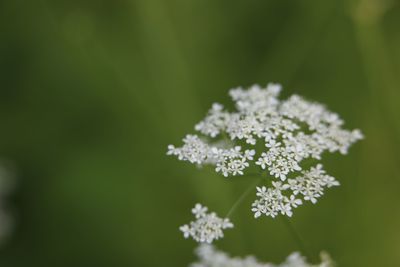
227 160
310 186
292 130
211 257
287 131
207 227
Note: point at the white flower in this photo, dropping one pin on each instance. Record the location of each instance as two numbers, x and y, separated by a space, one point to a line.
199 211
290 131
286 209
262 192
186 230
249 154
270 202
209 256
258 210
279 186
282 197
294 202
273 145
264 160
214 122
207 227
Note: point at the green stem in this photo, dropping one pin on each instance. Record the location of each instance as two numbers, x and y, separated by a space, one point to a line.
242 197
225 136
297 238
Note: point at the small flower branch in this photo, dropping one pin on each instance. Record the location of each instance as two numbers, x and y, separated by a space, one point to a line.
242 197
296 237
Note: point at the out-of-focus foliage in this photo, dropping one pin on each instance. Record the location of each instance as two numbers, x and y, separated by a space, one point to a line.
92 92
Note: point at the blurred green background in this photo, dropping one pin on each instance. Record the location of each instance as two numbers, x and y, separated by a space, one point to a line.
92 92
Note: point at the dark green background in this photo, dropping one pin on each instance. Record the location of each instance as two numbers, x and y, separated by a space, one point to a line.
92 92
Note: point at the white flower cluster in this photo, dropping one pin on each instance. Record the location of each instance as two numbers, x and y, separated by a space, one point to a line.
228 161
284 133
310 185
210 257
207 227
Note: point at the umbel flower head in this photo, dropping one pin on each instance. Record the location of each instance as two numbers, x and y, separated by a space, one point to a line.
277 137
309 185
207 227
211 257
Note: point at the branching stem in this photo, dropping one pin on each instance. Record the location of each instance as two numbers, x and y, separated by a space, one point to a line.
297 238
242 197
